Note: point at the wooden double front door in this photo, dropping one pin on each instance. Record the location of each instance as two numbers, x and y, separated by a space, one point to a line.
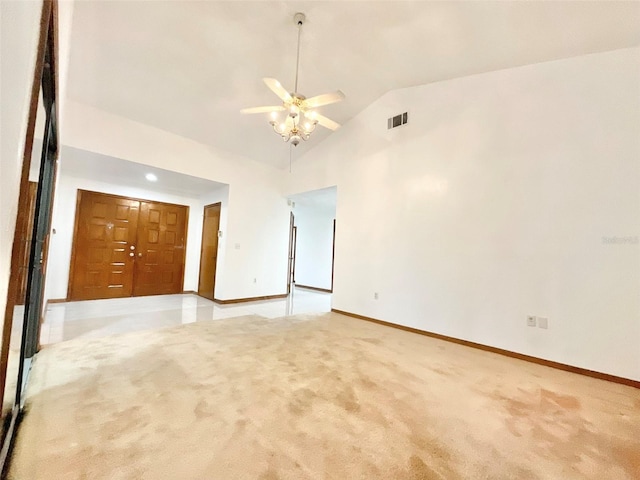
126 247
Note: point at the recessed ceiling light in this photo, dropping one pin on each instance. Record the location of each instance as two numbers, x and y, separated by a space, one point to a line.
151 177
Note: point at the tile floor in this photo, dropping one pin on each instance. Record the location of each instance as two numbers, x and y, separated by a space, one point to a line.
99 318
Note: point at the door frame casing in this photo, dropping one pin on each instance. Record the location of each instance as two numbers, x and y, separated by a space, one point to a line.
47 43
333 253
72 260
48 34
293 256
290 253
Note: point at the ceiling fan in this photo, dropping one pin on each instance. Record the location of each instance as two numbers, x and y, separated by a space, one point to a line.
301 117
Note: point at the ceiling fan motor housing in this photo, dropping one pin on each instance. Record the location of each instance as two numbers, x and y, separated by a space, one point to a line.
299 18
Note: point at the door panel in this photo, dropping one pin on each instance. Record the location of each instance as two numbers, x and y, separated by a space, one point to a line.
209 252
106 231
160 249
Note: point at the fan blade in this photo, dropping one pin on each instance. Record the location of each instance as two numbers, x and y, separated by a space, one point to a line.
279 108
277 88
326 122
325 99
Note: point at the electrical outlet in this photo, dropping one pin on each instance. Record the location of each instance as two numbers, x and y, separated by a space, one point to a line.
375 295
531 321
543 322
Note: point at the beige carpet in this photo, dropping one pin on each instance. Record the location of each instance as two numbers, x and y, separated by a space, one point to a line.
325 397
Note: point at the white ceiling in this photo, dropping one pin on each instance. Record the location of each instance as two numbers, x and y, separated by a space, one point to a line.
188 67
94 166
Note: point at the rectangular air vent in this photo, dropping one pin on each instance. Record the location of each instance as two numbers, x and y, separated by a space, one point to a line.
397 121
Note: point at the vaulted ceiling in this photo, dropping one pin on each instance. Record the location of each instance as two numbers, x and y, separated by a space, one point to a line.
189 67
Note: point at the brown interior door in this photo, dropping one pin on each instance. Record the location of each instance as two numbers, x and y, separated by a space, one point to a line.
106 229
209 252
24 230
160 250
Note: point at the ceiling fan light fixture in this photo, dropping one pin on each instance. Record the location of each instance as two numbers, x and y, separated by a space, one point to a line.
300 121
295 140
309 125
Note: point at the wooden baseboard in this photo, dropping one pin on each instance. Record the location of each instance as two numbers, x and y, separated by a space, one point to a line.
317 289
192 292
249 299
520 356
57 300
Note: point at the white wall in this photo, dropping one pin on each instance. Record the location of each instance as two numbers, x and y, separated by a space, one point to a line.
314 245
257 217
492 204
65 22
19 33
64 213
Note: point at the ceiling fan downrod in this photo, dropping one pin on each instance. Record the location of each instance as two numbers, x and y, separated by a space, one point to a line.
299 19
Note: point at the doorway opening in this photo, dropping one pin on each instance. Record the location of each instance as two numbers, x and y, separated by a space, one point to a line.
209 251
312 239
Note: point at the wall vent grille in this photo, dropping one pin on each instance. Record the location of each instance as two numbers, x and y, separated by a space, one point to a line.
397 121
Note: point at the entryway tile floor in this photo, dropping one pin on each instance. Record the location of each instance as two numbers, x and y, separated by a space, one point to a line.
100 318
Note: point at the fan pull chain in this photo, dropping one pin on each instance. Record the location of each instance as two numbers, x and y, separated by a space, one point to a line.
290 150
